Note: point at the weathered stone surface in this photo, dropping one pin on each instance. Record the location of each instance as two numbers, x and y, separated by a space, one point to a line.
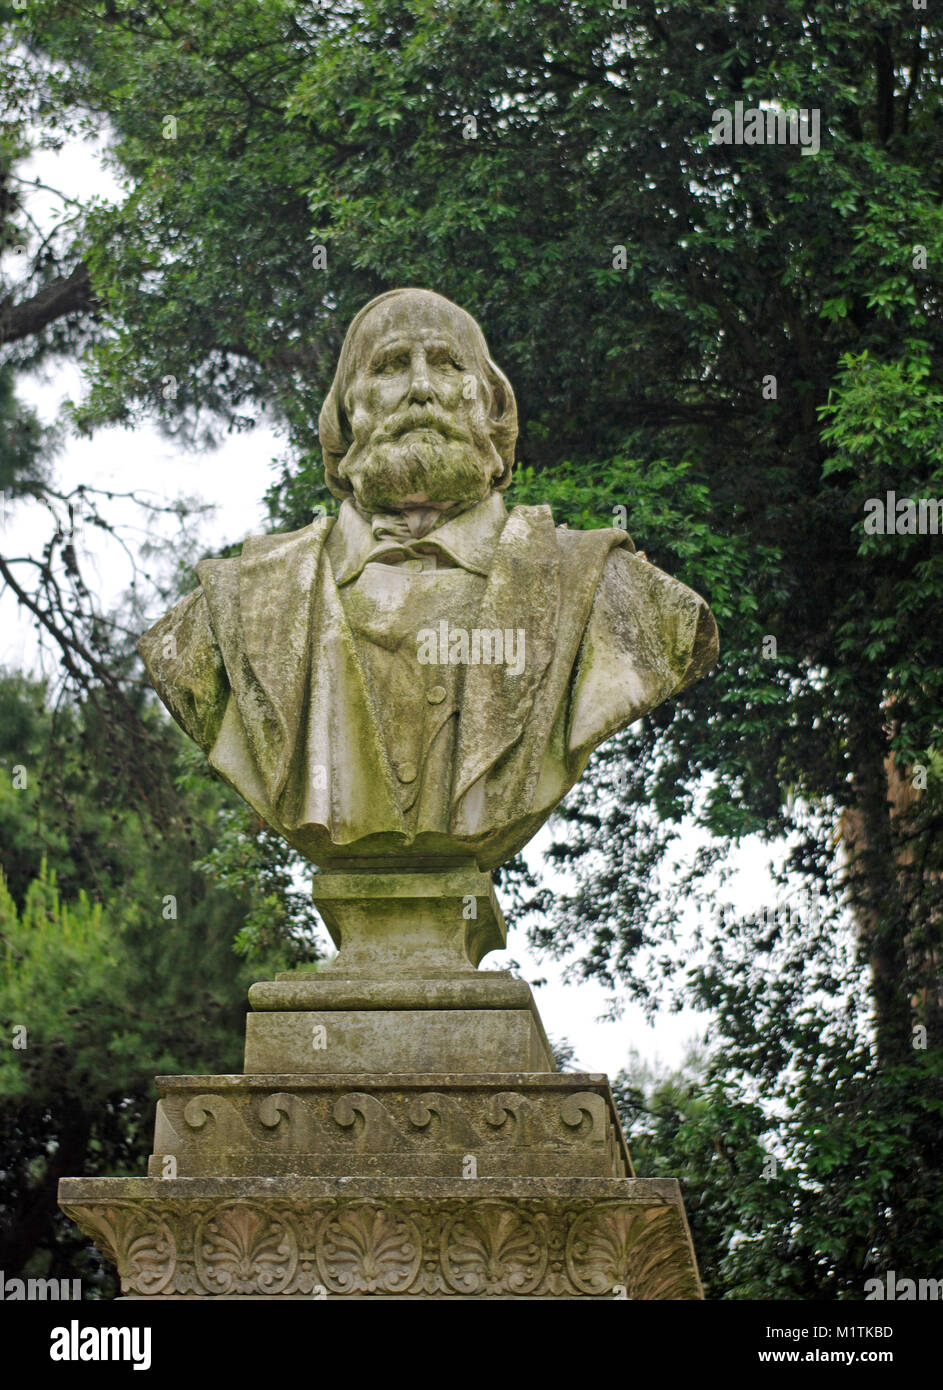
373 1041
327 1022
556 1125
507 1238
417 923
424 678
301 990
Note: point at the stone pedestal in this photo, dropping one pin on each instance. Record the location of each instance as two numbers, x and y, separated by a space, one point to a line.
296 1237
402 1135
420 924
486 1021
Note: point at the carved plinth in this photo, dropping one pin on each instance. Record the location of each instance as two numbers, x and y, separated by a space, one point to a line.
370 1042
485 1021
399 1136
409 923
399 1238
562 1125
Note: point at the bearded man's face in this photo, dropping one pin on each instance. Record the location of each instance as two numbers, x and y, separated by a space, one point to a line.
418 413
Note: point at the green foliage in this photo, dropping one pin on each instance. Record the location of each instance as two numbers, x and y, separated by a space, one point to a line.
251 861
25 444
126 974
66 969
884 422
807 1166
702 1132
647 388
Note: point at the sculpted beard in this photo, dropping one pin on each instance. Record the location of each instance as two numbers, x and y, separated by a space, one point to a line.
421 451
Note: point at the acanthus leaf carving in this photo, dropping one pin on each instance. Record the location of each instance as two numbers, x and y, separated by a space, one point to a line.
492 1247
242 1248
137 1239
366 1247
390 1247
622 1244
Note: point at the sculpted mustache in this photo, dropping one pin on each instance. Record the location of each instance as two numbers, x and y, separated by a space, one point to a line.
417 420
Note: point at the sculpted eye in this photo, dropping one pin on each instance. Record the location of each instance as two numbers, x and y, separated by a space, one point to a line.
442 357
393 362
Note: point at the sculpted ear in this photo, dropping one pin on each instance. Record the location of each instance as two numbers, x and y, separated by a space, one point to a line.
335 438
503 420
502 396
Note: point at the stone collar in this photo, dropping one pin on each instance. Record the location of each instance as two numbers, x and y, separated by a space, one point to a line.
469 539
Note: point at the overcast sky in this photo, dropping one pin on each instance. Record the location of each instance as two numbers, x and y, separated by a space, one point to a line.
234 479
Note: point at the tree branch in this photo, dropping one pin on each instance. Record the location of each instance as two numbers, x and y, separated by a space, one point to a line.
69 294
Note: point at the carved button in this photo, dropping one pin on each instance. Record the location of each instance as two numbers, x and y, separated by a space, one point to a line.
406 772
436 694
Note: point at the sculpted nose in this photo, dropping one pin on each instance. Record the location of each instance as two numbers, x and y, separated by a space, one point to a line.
420 388
420 385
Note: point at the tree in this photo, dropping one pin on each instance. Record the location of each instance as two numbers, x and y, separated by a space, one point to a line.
718 338
696 1127
121 970
48 312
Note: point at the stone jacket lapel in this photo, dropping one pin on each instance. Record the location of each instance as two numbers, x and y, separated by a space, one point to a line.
512 729
298 688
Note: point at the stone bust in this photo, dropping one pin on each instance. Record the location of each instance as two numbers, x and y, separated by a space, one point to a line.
418 682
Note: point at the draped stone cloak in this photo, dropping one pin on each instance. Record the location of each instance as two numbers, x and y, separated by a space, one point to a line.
261 668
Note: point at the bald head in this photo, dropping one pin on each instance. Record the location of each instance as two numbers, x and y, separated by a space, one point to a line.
418 414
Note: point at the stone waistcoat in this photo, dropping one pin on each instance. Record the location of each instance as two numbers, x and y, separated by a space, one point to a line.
417 703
